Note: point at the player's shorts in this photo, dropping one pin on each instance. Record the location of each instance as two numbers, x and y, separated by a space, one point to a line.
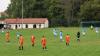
7 38
32 42
60 37
55 34
21 43
67 41
43 45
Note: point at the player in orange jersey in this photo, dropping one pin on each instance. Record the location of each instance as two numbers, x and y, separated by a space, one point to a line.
33 40
43 42
67 39
21 42
7 37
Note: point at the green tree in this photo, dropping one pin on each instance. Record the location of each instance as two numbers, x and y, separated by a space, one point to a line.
31 8
90 10
59 12
56 9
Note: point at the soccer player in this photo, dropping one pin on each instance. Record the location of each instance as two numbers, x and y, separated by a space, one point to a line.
55 33
33 40
18 35
67 39
91 27
21 42
78 36
7 37
97 30
84 31
43 42
2 30
61 36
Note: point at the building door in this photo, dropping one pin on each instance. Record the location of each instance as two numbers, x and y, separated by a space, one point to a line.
26 26
1 26
34 26
15 26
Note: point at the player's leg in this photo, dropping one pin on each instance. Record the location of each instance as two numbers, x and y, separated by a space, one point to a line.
43 46
33 44
54 35
7 39
22 47
61 38
66 43
78 38
19 47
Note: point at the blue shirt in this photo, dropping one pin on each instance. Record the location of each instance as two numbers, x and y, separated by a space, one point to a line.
60 33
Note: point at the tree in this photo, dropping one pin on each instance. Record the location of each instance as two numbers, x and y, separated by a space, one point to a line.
59 12
14 9
71 9
90 10
31 8
56 9
56 12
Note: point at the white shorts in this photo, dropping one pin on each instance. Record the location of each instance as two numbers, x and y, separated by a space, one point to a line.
60 37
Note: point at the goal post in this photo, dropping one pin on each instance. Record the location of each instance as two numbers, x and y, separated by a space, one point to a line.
84 25
89 23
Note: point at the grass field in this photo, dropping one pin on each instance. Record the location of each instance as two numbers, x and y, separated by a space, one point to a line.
88 46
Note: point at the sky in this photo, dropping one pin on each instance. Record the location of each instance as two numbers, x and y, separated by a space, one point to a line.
4 4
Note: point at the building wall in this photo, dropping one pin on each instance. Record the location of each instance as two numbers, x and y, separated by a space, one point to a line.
16 26
30 25
37 25
46 24
23 26
2 22
19 26
42 25
12 26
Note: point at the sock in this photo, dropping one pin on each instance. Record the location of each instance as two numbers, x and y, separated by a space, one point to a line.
22 47
19 48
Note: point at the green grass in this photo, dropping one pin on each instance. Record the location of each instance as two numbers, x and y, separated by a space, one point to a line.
89 45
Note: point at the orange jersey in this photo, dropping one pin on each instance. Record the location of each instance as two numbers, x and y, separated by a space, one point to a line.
33 39
7 36
67 39
43 41
21 40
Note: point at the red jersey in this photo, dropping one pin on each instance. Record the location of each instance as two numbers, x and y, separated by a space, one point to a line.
7 34
43 41
67 39
21 40
32 38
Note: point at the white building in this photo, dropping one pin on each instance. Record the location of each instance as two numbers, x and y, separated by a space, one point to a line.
26 23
